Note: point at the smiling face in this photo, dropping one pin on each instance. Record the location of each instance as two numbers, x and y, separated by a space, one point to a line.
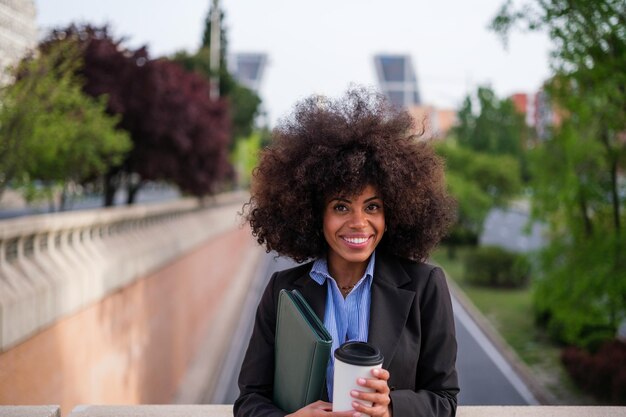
353 227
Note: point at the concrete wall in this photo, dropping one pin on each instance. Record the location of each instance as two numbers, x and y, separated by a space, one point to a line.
53 265
135 344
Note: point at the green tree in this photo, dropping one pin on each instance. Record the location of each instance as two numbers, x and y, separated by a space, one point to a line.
244 103
50 131
496 127
479 182
578 174
245 156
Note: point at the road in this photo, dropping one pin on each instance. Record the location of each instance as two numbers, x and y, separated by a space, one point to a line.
149 194
510 229
484 375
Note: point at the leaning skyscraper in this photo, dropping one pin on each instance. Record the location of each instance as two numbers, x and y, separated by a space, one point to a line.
248 69
397 80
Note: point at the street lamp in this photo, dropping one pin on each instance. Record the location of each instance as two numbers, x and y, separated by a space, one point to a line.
214 91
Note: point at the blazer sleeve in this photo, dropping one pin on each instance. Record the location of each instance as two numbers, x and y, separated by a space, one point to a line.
436 378
256 379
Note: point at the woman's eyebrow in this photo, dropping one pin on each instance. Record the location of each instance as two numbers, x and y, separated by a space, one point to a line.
345 200
372 198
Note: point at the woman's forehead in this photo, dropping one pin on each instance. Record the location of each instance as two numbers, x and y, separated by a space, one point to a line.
366 190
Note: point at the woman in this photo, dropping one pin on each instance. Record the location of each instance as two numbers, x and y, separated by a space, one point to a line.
346 184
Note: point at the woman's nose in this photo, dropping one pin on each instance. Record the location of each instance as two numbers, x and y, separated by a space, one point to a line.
358 219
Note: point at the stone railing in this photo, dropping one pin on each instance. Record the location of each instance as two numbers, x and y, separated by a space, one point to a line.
227 411
52 265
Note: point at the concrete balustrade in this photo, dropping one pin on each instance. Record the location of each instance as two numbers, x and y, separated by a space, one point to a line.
52 265
30 411
227 411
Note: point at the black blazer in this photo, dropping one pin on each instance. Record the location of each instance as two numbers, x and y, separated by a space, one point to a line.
411 322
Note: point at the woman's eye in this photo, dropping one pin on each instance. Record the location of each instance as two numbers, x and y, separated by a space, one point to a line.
340 207
373 207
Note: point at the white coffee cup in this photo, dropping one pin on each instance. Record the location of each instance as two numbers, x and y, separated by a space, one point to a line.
353 360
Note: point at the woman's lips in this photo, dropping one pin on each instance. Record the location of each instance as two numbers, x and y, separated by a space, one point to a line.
356 241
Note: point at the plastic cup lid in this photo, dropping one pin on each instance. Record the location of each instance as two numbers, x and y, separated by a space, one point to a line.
359 353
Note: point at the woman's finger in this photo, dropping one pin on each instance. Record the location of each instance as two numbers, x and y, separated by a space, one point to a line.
381 373
372 397
378 385
375 410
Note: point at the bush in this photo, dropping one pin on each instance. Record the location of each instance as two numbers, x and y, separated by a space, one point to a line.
602 373
493 266
578 292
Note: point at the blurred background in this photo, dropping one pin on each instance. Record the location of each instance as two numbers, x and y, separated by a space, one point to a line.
129 132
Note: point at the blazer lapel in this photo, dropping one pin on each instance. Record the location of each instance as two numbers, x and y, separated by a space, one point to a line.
390 306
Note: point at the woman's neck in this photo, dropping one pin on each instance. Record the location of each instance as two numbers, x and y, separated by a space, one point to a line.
346 273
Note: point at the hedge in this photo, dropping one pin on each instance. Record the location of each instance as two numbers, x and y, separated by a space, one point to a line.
493 266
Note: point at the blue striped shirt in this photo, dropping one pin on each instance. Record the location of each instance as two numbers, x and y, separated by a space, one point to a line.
345 319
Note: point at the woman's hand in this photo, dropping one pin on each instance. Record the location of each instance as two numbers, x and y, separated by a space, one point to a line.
320 409
379 398
381 402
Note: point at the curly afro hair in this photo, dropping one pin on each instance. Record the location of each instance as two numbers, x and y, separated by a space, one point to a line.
338 147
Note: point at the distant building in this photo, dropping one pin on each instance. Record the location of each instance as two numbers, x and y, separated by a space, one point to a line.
525 104
248 69
18 33
538 111
397 80
546 115
431 122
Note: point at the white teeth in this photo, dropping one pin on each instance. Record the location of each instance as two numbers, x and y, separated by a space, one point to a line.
355 240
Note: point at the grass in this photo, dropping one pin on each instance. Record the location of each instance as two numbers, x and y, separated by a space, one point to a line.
510 313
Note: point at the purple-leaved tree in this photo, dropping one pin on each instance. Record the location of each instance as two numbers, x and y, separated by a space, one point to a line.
178 133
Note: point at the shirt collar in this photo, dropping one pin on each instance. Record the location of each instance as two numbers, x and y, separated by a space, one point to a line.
319 271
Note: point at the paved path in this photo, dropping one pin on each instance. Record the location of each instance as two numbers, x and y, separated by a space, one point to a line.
485 376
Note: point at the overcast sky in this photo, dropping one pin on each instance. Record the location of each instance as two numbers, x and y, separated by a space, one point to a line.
322 46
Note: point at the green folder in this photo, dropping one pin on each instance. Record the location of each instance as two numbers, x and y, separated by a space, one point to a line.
302 352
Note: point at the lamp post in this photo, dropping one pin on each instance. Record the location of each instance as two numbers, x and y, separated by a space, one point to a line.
215 46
